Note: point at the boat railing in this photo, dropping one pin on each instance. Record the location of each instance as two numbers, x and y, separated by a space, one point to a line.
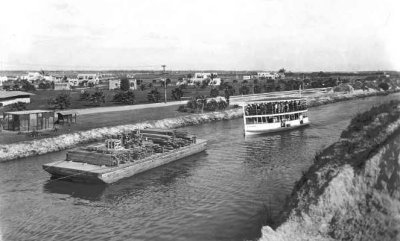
277 114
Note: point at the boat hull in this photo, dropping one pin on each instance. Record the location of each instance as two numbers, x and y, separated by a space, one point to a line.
257 129
83 172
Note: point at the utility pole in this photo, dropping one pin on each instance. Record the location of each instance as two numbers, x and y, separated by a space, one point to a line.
165 83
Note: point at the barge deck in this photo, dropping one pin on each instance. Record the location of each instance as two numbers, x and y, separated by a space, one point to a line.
80 165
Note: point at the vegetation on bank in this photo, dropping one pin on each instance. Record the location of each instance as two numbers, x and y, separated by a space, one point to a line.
338 195
201 103
358 142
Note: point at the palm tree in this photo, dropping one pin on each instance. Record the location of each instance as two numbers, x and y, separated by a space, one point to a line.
201 101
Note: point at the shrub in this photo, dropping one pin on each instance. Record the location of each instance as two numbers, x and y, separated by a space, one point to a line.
154 96
97 97
214 92
177 93
84 95
244 90
222 105
44 85
125 97
384 86
257 89
229 91
26 86
124 84
62 101
182 108
211 105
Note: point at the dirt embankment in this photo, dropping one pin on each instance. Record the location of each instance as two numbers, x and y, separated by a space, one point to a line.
352 192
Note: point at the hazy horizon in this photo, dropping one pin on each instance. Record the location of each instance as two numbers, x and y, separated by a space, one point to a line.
300 36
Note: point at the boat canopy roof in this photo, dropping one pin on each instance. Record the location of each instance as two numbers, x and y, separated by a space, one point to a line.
274 100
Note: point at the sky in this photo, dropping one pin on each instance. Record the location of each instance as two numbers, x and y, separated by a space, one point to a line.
298 35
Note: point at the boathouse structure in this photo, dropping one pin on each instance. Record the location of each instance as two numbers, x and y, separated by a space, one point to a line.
28 120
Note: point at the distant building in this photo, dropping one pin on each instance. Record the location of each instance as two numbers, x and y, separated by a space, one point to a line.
73 82
215 81
11 97
115 84
105 77
33 76
48 78
132 84
58 78
268 75
200 77
89 78
249 77
3 79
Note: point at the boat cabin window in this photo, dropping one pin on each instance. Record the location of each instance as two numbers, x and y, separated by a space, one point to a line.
251 120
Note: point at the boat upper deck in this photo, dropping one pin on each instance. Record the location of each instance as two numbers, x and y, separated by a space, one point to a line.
275 99
275 107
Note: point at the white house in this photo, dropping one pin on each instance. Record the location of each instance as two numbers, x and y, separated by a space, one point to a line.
215 81
115 84
268 75
58 78
200 77
73 82
90 78
48 78
32 76
3 79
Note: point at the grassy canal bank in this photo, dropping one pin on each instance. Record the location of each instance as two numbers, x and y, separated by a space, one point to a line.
85 133
352 191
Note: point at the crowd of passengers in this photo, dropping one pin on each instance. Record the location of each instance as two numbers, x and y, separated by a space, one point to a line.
275 107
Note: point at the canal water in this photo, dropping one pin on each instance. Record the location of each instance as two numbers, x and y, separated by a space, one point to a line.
225 193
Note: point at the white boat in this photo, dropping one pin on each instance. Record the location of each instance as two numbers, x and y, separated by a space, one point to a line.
274 115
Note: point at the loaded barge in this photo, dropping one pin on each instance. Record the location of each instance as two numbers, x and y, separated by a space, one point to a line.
125 155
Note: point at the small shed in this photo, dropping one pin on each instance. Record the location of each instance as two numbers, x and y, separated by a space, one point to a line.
66 117
28 120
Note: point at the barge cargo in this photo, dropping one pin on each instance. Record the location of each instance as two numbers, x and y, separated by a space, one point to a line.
126 155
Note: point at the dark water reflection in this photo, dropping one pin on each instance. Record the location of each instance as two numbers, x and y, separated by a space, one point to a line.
220 194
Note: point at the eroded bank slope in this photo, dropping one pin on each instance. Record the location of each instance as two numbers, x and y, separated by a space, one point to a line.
352 192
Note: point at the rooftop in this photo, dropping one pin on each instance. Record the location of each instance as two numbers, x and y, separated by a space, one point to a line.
27 112
8 94
274 99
